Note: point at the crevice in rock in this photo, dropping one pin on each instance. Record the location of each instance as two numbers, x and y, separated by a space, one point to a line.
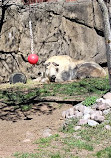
93 13
77 21
103 64
2 18
95 55
52 11
60 102
3 52
23 58
4 8
99 32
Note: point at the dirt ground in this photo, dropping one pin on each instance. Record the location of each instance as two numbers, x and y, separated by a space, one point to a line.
20 136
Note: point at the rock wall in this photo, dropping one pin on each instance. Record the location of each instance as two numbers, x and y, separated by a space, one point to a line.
72 28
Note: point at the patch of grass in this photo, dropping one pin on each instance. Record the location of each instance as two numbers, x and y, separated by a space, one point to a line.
87 138
81 87
72 142
94 135
57 155
44 142
26 107
27 155
44 154
68 126
105 153
90 100
89 86
17 96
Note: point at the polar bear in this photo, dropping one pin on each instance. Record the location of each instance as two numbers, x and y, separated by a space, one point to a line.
64 68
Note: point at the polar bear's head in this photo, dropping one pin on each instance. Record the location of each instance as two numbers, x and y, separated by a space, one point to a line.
51 70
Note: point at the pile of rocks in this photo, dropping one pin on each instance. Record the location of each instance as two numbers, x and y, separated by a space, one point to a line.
93 115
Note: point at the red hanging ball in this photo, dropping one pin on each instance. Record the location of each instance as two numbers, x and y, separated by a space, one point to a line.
33 59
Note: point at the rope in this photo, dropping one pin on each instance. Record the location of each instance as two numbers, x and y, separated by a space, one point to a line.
31 33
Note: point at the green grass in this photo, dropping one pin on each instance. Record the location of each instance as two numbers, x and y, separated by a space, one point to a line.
68 127
22 95
105 153
26 155
90 100
79 88
12 96
65 144
26 107
80 144
43 155
44 142
90 85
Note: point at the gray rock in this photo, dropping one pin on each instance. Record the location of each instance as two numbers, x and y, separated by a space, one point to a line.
96 113
75 112
15 37
71 111
86 116
47 133
108 127
105 112
104 101
106 121
77 128
87 110
99 118
67 114
108 101
82 122
103 106
80 108
92 123
26 140
107 96
94 106
72 116
64 114
100 100
78 115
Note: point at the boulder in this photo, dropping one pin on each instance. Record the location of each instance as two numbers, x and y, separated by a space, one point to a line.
108 127
92 123
99 118
107 96
75 29
102 106
104 101
105 112
77 128
78 115
96 113
64 114
71 111
86 116
88 110
80 107
82 122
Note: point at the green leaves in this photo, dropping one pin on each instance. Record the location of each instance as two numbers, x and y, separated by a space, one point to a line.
90 101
